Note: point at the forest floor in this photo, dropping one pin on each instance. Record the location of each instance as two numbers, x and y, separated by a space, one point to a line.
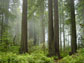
76 58
38 56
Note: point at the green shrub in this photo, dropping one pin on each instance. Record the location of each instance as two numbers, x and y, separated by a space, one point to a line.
14 49
25 58
5 42
76 58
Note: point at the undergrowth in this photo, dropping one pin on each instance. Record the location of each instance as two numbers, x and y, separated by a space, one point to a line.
76 58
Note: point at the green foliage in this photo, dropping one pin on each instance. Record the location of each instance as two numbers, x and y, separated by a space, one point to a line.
36 48
33 47
25 58
14 49
76 58
5 42
68 21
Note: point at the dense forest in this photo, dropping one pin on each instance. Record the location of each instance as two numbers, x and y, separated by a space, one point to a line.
41 31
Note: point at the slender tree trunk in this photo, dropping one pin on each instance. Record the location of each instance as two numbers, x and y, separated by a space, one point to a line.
60 35
43 24
35 37
60 22
43 33
56 28
63 21
73 29
24 44
68 36
64 34
63 18
50 29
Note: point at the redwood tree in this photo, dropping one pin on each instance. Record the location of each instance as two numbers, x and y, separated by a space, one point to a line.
56 28
73 28
50 28
24 45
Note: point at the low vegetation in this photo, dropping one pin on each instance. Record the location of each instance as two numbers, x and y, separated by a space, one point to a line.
75 58
36 57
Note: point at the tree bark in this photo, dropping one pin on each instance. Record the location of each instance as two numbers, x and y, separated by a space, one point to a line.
50 29
73 28
24 44
56 28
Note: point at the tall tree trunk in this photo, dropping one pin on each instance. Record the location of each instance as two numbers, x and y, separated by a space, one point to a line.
73 28
63 19
43 33
43 24
50 29
68 35
64 33
35 37
60 22
24 45
56 28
